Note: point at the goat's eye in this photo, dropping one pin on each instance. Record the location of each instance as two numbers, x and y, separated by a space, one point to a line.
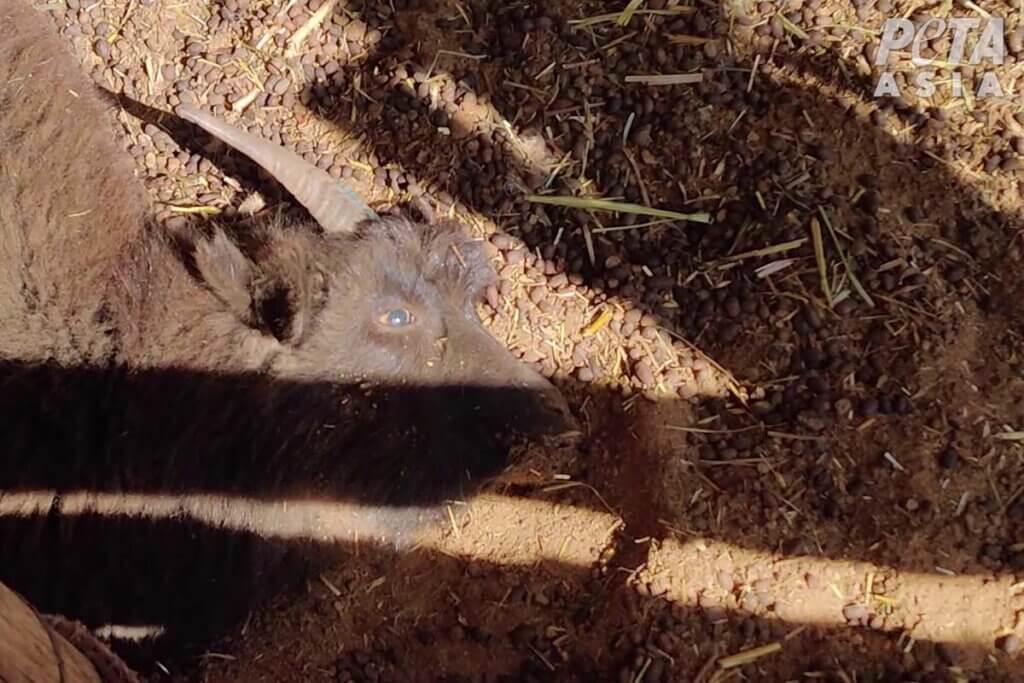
396 317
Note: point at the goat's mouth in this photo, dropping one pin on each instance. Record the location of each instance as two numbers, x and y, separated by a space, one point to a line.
538 439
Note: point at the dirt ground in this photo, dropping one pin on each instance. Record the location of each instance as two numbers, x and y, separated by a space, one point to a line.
803 419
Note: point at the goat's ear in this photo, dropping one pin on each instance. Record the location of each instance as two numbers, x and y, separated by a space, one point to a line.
227 272
279 290
290 287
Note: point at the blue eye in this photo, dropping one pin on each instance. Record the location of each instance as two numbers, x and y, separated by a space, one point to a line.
397 317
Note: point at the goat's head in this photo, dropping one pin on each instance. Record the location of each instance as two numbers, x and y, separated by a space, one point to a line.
384 302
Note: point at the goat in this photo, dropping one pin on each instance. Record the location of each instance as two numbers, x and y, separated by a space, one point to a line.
154 375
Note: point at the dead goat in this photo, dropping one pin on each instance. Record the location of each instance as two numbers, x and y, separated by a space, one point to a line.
164 394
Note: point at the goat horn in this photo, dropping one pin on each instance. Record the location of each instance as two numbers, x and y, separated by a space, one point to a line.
334 206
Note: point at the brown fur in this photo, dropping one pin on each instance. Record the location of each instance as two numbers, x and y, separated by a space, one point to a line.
63 224
132 360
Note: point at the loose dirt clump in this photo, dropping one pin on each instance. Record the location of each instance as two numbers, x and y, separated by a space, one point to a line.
803 456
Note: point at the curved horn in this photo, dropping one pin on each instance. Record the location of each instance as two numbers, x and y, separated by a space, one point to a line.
334 206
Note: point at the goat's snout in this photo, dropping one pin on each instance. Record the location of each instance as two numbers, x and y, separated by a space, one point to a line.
557 419
511 392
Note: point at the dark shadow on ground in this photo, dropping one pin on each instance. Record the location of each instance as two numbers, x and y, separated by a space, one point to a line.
553 621
200 579
202 584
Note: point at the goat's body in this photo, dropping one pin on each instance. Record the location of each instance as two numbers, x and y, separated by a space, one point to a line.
134 367
63 224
